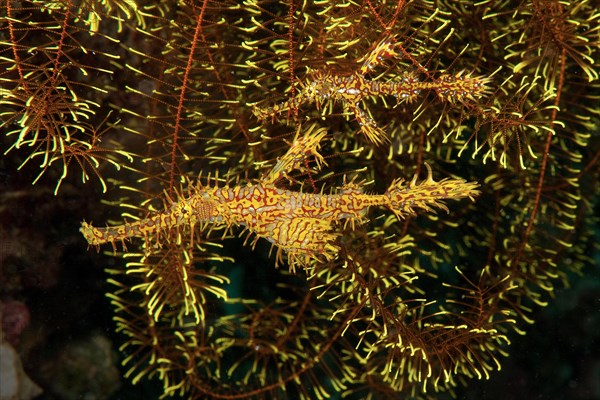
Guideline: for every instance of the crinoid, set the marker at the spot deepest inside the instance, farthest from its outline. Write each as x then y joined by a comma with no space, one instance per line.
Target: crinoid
262,133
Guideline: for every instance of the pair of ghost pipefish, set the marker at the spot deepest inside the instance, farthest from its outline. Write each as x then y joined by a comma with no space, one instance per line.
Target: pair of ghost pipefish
301,225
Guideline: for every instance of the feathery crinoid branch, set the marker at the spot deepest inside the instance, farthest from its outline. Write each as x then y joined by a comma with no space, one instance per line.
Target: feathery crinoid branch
298,127
55,77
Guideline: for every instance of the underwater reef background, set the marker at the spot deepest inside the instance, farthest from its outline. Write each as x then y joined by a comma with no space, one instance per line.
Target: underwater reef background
170,244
